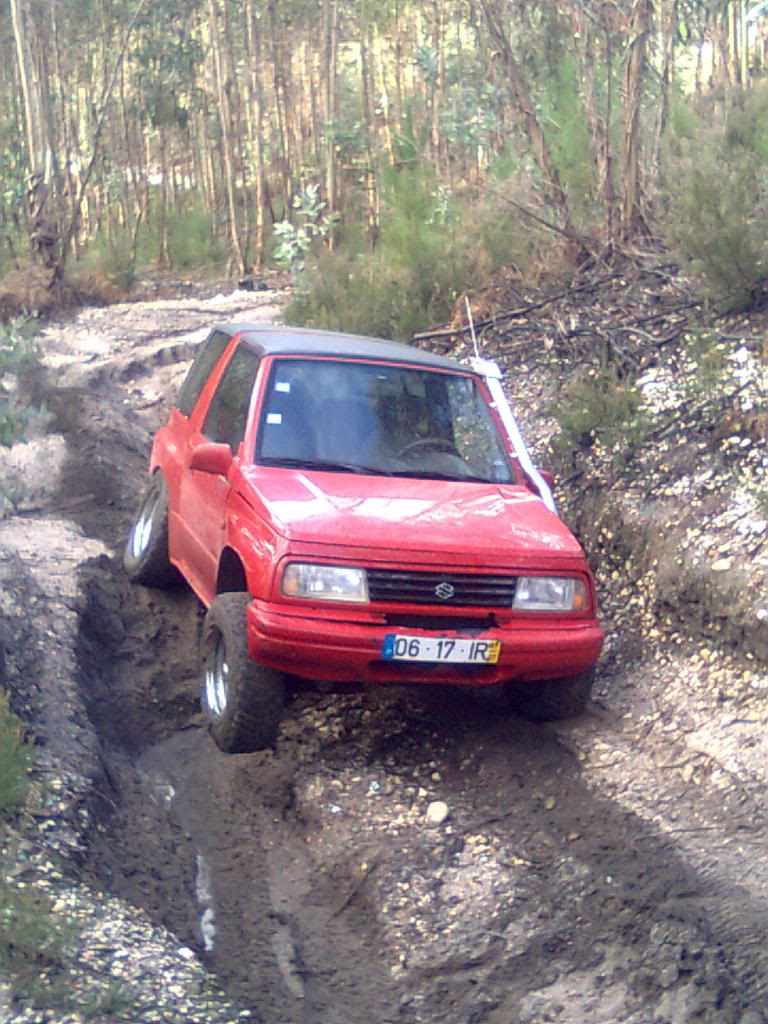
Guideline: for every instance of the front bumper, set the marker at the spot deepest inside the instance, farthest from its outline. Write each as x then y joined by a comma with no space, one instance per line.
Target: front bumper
350,652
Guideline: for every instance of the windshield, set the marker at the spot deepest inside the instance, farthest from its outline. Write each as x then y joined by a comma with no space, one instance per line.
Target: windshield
380,419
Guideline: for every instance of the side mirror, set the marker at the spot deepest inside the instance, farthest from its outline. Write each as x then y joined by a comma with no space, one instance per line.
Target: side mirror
211,457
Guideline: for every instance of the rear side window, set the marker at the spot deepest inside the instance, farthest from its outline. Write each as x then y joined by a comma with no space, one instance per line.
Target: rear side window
228,412
205,360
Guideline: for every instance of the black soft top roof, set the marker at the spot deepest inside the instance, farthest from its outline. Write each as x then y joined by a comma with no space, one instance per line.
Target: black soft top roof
299,341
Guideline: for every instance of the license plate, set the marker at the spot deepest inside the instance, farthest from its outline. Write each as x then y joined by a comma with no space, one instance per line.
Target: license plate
446,650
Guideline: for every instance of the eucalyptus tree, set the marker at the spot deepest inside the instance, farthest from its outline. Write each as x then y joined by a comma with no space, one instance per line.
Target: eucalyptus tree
13,148
61,165
31,30
139,112
638,28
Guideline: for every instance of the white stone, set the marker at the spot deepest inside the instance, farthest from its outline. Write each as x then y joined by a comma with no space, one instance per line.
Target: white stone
437,812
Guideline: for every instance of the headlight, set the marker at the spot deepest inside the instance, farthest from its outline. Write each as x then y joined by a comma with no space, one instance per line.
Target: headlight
325,582
550,594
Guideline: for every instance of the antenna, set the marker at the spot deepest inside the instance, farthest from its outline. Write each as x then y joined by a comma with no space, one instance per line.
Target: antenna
471,323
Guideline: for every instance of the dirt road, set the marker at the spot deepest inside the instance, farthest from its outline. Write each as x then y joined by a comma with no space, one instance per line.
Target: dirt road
610,870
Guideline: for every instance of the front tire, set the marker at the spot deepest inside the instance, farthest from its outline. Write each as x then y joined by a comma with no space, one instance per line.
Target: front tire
242,701
145,556
551,699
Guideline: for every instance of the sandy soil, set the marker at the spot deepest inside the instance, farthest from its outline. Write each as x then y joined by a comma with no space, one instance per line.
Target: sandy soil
608,870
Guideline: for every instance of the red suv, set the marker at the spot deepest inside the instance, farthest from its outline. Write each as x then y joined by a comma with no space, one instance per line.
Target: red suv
352,510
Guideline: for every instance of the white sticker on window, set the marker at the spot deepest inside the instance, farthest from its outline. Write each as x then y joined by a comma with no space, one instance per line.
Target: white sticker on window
274,417
283,385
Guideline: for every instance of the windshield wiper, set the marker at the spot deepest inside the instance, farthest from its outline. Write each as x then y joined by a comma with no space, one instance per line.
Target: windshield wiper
429,474
324,465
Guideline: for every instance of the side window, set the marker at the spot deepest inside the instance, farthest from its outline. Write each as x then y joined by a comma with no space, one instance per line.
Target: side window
228,412
199,371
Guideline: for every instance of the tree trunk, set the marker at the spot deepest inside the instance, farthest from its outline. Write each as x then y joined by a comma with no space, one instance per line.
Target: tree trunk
226,126
330,97
632,219
44,191
256,130
163,250
667,33
283,126
367,118
523,101
587,35
438,85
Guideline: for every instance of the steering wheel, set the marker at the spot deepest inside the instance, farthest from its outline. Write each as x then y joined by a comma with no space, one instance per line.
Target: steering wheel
439,444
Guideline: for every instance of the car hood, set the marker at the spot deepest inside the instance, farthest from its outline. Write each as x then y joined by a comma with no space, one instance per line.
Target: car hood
488,522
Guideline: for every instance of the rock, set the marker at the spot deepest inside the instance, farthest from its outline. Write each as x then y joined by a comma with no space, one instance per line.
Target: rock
751,1017
721,565
437,812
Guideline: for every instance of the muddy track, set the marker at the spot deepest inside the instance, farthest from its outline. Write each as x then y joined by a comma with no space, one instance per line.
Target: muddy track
596,872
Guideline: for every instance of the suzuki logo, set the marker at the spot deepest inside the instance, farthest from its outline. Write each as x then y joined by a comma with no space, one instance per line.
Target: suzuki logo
445,590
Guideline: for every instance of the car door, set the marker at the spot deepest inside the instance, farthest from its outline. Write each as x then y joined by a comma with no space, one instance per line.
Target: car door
171,444
203,495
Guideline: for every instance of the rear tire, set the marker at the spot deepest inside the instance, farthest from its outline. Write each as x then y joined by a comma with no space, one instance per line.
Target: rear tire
550,699
242,701
145,556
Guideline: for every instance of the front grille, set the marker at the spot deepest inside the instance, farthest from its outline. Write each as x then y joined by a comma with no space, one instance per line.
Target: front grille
441,588
464,622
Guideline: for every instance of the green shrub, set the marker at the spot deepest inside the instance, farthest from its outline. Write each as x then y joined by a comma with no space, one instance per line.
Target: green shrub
38,957
112,254
431,248
296,238
192,243
599,406
14,760
718,204
565,125
18,356
32,936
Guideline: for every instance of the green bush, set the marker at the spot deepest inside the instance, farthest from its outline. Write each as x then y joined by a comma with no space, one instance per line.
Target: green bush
112,254
192,243
431,248
565,123
717,203
599,407
38,957
14,760
32,937
18,356
120,250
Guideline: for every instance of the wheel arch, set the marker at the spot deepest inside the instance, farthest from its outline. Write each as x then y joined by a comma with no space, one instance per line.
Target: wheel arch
231,576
